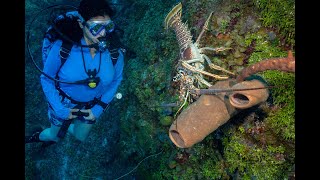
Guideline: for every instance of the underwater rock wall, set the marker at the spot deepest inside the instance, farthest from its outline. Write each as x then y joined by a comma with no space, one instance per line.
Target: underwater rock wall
257,143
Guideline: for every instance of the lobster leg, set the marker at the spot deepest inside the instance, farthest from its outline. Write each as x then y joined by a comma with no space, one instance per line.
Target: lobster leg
211,65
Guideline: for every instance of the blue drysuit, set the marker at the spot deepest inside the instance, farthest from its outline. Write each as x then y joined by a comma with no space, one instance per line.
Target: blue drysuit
74,69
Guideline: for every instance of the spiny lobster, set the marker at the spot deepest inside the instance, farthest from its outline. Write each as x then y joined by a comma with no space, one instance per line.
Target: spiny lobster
191,67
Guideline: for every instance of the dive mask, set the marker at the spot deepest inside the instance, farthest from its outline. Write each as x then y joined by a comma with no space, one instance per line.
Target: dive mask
95,27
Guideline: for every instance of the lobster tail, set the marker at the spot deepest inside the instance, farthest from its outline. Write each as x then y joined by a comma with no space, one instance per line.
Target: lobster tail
173,15
183,34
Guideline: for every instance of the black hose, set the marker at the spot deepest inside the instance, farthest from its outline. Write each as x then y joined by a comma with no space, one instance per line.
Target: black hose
28,47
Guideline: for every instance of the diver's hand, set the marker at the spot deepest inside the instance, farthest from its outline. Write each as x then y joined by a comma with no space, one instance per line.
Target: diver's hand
90,116
72,116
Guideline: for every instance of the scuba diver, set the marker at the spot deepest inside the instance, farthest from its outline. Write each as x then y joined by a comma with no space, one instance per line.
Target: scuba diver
95,70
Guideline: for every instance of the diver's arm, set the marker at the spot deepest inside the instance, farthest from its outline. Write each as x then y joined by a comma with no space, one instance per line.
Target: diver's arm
113,86
51,67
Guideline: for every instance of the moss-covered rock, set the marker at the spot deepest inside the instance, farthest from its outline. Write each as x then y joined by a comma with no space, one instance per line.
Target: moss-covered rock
166,120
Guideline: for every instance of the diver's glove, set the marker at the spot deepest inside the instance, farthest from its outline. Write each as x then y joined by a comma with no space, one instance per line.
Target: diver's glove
88,115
